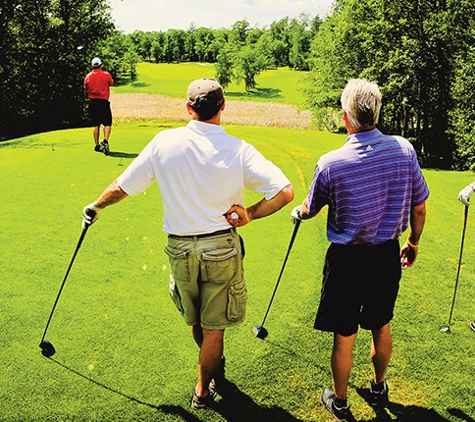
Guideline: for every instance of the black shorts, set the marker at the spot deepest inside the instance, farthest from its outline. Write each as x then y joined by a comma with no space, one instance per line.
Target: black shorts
100,112
360,286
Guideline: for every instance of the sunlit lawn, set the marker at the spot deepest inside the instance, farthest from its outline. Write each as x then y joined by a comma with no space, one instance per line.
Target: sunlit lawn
123,352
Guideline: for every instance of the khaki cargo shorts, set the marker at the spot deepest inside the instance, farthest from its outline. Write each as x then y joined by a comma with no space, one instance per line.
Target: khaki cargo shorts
207,281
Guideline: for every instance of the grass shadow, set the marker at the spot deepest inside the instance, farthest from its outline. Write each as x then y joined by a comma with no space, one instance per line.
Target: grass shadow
387,413
460,414
139,85
167,409
234,406
261,93
118,154
402,413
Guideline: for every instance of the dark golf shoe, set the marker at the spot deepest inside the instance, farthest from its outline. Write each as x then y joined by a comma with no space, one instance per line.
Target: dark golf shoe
340,413
378,394
105,147
98,148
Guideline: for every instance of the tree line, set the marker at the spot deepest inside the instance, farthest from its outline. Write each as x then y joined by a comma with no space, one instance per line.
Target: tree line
45,46
240,53
419,51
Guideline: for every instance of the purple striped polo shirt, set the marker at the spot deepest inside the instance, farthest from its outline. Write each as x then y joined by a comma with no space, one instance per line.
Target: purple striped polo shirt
370,185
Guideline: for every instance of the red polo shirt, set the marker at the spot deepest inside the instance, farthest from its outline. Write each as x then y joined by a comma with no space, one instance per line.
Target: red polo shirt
97,83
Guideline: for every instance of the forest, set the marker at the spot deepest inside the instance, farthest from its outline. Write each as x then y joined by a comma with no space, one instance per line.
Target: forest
421,53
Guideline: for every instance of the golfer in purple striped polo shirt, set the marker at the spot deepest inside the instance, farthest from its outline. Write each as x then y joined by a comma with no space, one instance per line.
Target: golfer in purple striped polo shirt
375,190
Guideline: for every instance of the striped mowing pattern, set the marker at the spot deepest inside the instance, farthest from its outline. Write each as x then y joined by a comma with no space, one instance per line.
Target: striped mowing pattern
369,184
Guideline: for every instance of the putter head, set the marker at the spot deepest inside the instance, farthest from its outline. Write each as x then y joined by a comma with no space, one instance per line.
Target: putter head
259,332
47,349
445,329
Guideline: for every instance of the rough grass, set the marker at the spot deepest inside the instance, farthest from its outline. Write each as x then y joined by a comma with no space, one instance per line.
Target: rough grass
153,107
159,94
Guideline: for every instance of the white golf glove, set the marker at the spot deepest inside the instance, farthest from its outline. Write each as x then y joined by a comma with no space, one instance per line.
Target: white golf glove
465,193
295,214
90,214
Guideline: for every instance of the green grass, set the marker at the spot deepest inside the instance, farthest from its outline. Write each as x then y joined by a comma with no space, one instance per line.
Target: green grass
123,351
173,79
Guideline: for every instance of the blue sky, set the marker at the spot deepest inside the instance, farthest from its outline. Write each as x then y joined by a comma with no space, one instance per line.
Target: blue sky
160,15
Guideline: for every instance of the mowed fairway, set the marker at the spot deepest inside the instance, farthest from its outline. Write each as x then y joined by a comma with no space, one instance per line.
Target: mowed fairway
123,351
278,86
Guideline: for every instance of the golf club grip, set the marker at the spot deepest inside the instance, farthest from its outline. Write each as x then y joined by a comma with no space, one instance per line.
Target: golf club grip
294,234
81,238
465,217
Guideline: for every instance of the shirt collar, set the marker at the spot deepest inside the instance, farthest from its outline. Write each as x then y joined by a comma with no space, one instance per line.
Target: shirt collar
363,137
209,128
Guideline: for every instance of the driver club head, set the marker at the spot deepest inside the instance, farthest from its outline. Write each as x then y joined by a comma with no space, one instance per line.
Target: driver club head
259,332
445,329
47,349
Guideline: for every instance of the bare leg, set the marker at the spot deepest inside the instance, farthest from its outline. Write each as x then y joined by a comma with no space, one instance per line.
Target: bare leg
341,363
107,132
197,334
211,352
381,350
95,134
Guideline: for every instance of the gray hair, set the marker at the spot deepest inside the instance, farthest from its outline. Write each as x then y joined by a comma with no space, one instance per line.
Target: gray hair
361,100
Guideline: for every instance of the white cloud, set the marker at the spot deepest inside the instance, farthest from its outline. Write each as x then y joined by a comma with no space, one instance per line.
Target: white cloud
147,15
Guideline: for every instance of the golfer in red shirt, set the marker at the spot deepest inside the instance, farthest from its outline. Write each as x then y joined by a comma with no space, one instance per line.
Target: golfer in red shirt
97,83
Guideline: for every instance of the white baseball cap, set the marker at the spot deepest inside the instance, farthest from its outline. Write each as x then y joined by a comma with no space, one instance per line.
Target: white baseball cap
96,62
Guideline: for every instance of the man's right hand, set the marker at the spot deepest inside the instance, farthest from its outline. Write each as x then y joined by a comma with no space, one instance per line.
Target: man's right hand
90,214
465,193
295,214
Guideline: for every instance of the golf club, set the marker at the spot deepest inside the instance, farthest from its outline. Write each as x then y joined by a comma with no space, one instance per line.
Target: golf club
258,330
47,349
446,328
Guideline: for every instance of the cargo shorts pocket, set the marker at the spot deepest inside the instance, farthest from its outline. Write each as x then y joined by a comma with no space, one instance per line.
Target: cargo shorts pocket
237,298
220,265
178,271
178,263
175,295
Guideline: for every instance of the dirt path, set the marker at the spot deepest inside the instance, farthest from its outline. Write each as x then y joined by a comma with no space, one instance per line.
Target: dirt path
151,107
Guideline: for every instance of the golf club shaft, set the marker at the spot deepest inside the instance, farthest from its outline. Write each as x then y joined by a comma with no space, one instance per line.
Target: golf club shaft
84,230
459,264
297,224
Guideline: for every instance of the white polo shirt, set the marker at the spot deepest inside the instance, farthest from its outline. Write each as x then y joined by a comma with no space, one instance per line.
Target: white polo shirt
201,172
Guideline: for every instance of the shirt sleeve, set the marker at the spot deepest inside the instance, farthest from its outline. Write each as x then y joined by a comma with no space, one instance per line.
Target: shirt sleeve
261,175
139,175
420,190
319,191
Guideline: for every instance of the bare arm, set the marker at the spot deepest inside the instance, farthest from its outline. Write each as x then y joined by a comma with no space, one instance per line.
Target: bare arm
111,195
304,213
261,209
416,225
